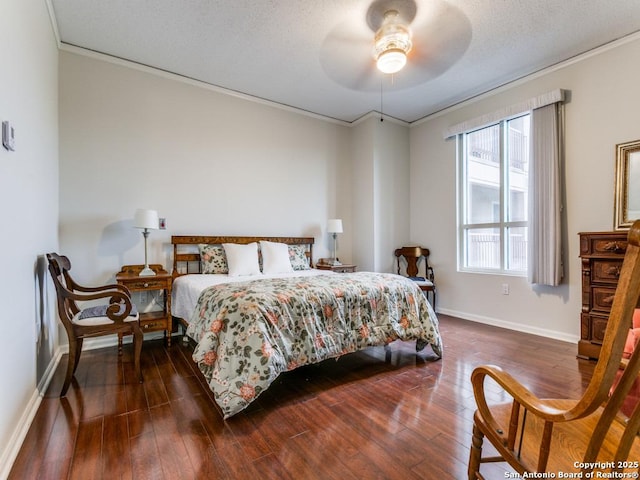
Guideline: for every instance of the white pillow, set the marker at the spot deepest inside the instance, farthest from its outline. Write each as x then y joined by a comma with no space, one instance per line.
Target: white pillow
275,257
242,259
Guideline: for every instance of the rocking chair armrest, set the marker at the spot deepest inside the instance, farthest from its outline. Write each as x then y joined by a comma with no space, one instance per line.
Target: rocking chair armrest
543,409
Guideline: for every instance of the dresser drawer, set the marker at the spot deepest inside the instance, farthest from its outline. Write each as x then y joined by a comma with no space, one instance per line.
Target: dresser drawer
608,247
606,271
153,325
150,321
602,298
147,284
593,327
344,269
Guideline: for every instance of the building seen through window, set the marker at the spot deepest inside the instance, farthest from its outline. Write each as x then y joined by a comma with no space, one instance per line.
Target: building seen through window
494,165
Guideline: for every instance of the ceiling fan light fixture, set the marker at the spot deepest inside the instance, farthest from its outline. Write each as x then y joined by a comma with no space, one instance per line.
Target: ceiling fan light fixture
392,44
391,61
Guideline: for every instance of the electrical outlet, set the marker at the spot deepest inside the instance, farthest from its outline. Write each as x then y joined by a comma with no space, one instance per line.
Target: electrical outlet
505,289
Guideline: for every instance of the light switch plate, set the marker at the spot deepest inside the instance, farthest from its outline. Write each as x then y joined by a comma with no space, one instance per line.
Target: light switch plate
8,136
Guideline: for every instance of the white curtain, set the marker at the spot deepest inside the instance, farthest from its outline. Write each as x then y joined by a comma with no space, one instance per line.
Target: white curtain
545,196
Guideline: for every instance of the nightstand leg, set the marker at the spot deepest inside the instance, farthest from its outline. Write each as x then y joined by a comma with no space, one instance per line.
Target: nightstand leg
167,312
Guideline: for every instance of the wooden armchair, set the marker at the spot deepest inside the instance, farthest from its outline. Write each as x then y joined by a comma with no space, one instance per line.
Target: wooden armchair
412,256
117,316
579,436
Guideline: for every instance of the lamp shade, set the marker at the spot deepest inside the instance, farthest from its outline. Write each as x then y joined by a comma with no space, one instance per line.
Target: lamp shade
334,225
146,219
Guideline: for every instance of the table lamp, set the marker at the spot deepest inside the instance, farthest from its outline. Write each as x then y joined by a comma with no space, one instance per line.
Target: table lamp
334,226
146,220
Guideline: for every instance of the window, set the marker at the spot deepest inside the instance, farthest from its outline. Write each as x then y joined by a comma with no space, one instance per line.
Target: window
493,199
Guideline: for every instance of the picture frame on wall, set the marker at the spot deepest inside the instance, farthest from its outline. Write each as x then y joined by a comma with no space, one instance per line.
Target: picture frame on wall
627,185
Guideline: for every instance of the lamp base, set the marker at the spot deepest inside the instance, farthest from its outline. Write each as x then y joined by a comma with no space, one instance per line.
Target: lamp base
146,272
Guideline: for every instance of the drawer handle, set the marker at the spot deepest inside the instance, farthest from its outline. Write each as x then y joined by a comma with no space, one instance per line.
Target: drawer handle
145,285
613,247
146,326
613,271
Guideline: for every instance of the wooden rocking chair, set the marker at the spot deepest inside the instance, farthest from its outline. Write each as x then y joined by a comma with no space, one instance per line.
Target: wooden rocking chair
580,436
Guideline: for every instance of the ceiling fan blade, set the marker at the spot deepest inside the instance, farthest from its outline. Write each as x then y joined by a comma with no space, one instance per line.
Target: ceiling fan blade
346,56
439,41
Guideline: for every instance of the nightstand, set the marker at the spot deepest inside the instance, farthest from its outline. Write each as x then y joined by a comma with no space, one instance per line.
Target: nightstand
150,321
337,268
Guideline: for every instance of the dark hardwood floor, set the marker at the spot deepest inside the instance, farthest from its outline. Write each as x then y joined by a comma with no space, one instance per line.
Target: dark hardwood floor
377,414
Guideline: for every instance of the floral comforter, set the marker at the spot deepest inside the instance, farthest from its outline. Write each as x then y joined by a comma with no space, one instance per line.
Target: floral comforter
248,333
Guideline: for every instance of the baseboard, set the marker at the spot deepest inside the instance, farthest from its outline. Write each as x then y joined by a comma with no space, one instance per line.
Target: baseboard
15,443
17,439
518,327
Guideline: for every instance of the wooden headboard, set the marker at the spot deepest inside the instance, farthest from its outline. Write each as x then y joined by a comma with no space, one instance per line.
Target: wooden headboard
190,261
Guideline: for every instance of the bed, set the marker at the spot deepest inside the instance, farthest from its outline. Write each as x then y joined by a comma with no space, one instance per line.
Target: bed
255,314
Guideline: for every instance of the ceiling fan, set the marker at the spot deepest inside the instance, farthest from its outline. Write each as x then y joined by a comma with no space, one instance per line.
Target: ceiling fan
414,40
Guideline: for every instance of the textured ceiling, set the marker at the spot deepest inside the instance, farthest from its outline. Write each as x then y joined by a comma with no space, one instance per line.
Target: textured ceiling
315,55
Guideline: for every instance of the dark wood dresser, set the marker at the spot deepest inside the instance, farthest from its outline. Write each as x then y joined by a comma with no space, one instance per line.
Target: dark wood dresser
602,254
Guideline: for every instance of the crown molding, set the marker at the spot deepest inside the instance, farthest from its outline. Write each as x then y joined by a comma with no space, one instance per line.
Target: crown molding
532,76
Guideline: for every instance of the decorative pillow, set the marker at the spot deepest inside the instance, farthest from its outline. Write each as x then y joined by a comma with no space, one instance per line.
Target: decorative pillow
212,259
275,257
633,339
242,259
298,257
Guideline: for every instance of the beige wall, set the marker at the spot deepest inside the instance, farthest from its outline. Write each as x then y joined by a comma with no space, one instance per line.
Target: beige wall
379,191
602,111
391,199
208,162
29,211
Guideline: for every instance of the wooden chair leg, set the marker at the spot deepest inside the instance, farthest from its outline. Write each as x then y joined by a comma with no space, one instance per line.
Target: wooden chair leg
72,363
430,294
138,337
76,361
475,454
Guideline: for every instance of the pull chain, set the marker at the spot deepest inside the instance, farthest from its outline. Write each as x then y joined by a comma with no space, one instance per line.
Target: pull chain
381,112
381,96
